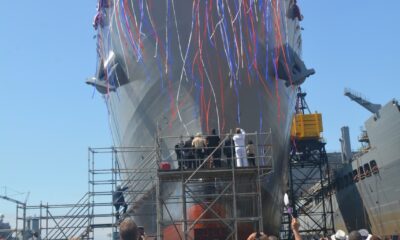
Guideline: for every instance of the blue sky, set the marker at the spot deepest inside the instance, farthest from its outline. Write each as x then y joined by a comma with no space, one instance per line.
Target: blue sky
49,117
350,44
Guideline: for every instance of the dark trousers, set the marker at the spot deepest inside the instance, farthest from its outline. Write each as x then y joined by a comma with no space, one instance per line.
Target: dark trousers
217,158
189,162
252,159
199,157
117,206
186,163
180,165
229,160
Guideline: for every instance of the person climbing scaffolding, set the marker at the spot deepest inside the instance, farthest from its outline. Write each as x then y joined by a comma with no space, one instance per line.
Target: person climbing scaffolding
119,200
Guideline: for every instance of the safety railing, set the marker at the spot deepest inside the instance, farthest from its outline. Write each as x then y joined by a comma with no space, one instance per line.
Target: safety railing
216,152
61,221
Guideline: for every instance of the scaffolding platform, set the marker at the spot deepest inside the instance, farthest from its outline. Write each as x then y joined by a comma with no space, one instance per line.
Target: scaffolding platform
213,202
206,201
210,202
103,225
221,173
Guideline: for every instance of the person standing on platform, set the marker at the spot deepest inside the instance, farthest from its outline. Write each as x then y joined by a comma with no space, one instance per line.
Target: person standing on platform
229,150
188,153
199,144
251,153
240,148
179,154
212,143
119,200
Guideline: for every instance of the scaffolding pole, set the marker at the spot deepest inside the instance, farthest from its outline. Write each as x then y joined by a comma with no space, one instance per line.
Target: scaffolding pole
208,197
189,202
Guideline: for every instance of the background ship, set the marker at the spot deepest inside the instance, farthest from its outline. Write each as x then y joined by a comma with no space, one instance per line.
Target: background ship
367,193
5,228
180,67
365,187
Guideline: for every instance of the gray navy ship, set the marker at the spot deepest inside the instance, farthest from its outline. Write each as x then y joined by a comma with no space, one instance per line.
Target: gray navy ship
367,192
5,229
179,67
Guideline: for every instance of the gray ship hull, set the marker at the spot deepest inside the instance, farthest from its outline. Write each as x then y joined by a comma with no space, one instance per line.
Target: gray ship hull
373,201
182,67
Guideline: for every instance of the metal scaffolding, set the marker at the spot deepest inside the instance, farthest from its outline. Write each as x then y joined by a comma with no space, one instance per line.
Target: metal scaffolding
217,195
309,178
310,191
94,210
45,221
187,202
196,202
105,175
310,188
20,209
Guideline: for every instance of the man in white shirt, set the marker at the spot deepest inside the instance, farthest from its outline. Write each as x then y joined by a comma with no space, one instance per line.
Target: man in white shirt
240,148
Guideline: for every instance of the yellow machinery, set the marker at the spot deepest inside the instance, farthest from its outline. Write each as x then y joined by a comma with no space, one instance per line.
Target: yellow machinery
306,126
309,173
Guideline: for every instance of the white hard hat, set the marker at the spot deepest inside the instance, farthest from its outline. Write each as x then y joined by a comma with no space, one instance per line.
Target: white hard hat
339,235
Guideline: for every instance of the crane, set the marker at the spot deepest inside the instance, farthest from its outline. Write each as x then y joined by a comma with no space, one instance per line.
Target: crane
372,107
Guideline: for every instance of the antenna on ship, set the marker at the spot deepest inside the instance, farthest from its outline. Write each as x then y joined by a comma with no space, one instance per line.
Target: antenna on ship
358,98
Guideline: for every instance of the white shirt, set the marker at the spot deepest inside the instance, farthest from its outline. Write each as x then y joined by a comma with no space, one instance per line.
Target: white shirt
239,138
